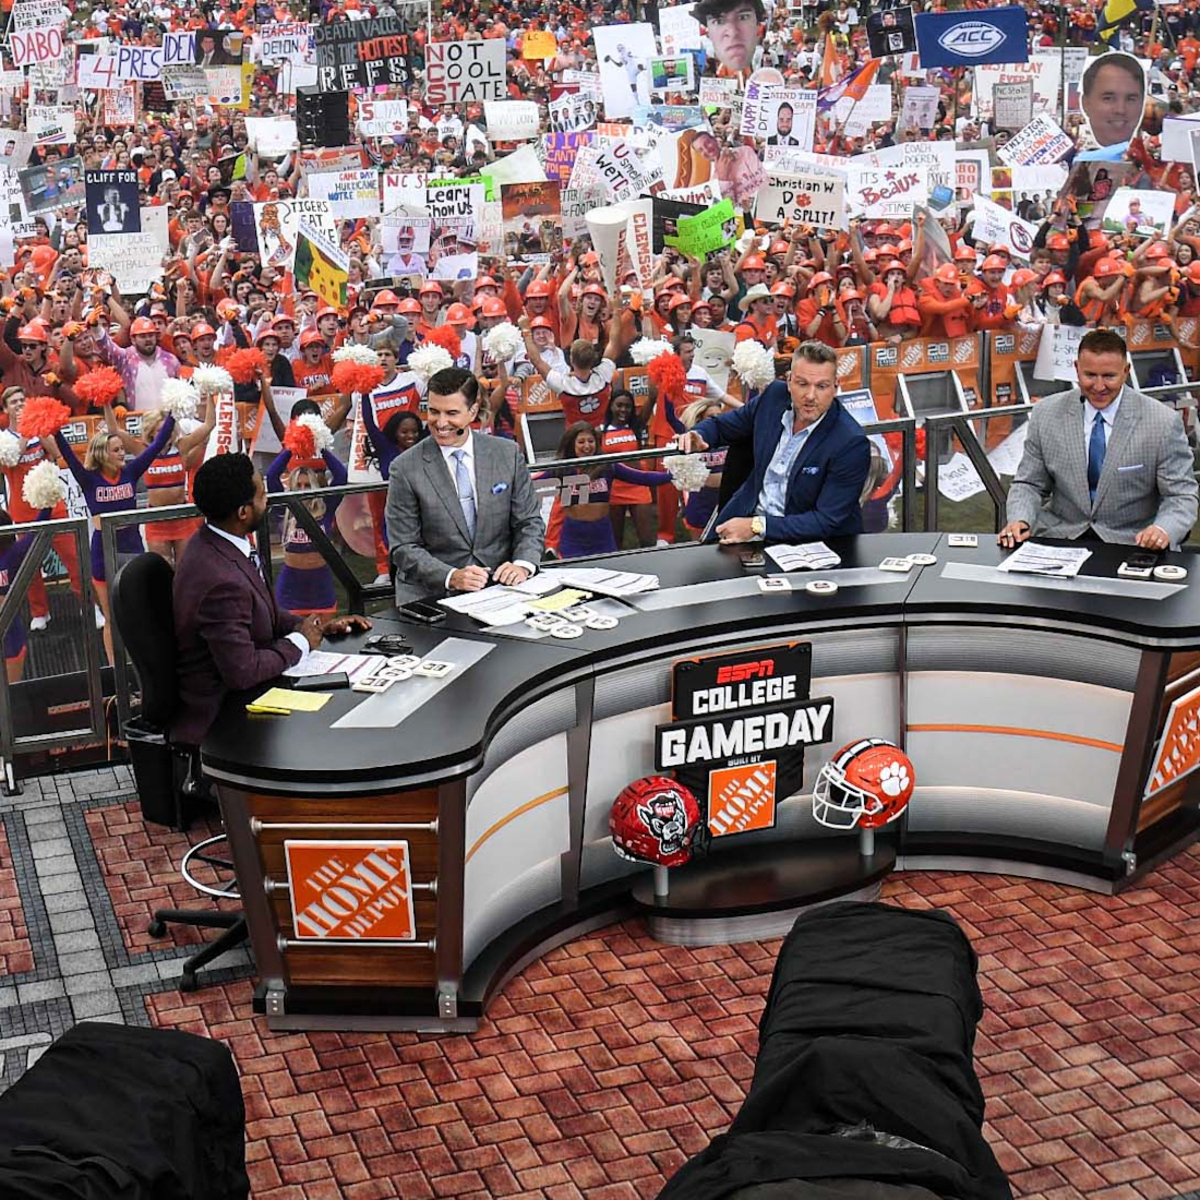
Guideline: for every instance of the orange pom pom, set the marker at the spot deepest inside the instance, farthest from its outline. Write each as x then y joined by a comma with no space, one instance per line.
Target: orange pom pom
42,416
299,440
349,376
242,365
445,337
99,387
668,374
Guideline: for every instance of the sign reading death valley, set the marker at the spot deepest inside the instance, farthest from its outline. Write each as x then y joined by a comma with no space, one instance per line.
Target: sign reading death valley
362,54
351,890
741,723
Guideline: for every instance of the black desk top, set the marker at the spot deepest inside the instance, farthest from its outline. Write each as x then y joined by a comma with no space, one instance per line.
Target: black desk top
447,737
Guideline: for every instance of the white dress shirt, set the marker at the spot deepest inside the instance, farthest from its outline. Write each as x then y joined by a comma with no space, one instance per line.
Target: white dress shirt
244,547
448,453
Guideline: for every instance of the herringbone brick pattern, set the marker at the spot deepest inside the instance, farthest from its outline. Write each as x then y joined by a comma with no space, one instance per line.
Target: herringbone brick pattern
607,1063
16,953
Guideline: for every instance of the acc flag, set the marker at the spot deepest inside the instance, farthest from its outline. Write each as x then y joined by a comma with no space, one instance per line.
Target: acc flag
972,37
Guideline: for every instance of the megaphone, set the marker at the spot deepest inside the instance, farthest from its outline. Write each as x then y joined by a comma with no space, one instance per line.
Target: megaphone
607,227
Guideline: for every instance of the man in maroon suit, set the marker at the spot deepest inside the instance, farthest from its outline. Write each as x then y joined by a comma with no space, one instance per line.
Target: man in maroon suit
230,633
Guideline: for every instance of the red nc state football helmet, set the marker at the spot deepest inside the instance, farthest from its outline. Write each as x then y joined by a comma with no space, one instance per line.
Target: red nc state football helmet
867,783
655,820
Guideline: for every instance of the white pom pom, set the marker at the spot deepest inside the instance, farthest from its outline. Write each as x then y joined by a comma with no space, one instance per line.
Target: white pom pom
322,434
689,472
208,380
427,360
754,364
353,352
43,486
10,449
179,398
503,341
645,349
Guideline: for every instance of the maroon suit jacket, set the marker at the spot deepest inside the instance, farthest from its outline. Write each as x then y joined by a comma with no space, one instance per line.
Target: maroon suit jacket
229,632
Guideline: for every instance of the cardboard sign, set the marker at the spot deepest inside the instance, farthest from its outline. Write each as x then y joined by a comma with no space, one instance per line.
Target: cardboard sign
133,259
1012,104
465,72
37,14
1041,142
539,44
807,199
352,193
560,150
713,229
920,108
678,30
343,889
995,223
454,203
1044,70
382,118
185,82
320,264
282,41
620,170
35,45
511,120
362,54
277,222
884,192
112,202
1057,352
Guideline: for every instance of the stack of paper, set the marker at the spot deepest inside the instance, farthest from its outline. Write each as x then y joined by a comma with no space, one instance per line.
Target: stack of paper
812,556
323,662
604,582
1061,561
492,606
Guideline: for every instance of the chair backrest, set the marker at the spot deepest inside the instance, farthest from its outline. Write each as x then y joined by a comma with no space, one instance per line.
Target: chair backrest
144,610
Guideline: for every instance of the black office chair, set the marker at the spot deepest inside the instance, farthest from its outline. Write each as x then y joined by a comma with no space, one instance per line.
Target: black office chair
143,608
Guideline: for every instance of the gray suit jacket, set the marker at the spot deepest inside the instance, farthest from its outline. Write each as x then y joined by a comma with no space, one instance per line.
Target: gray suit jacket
1147,477
427,531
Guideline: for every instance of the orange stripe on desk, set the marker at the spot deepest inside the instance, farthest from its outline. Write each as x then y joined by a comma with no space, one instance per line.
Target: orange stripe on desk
1016,731
528,806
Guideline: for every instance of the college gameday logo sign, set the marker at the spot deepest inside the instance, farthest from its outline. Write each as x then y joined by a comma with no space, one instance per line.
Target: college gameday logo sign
741,722
345,889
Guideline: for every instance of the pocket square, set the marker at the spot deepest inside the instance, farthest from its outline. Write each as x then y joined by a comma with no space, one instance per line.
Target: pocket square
1135,467
810,470
498,488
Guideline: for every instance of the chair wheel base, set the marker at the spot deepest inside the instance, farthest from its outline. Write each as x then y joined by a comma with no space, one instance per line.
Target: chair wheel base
156,929
187,982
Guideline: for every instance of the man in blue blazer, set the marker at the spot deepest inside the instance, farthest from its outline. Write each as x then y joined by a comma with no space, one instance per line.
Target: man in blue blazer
811,457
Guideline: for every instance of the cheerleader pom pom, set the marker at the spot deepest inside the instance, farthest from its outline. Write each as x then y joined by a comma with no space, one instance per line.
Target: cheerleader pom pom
10,449
210,380
298,438
503,341
352,376
242,365
449,341
644,350
356,353
668,375
689,472
179,398
426,361
318,431
43,487
42,417
754,364
99,387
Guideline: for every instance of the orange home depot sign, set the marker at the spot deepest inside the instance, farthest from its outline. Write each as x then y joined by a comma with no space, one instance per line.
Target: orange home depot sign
1183,332
351,890
923,356
850,360
741,798
1179,751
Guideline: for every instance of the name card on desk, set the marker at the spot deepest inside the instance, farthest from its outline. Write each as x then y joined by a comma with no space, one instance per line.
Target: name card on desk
343,889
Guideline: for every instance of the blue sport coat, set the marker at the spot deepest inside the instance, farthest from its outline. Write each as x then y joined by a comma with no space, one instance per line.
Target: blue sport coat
826,479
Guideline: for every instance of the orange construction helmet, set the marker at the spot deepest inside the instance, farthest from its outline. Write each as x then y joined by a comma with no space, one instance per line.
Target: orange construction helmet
1192,270
203,329
493,306
824,277
993,262
1106,267
678,300
408,305
946,273
546,323
965,254
782,288
34,332
1158,251
310,337
1022,277
539,287
386,298
459,314
143,325
1058,241
1057,277
755,262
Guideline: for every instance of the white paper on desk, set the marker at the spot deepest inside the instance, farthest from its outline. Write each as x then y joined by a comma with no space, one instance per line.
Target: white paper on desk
1062,562
811,556
604,582
541,584
491,606
325,662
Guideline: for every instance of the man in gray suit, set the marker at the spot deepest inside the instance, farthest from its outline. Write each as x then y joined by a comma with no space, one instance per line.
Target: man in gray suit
461,510
1103,461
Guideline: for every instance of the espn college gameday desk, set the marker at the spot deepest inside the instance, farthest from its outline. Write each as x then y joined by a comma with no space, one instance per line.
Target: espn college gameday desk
1033,710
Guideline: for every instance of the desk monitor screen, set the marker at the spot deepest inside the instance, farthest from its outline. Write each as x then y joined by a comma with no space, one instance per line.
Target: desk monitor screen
928,395
543,432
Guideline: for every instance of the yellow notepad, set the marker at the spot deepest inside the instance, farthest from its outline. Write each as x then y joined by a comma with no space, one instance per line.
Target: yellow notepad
277,697
560,600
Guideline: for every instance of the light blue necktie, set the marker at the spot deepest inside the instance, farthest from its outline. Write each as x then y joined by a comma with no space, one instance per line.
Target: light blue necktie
466,488
1096,451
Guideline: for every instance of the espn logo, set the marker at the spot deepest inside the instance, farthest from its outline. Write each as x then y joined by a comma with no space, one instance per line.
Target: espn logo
763,669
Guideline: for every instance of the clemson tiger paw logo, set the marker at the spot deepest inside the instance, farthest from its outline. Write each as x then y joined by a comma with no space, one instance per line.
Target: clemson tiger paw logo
893,779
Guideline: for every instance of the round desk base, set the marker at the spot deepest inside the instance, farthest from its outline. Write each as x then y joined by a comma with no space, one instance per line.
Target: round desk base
758,892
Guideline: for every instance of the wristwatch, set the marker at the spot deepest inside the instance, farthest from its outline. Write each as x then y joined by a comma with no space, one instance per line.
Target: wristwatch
758,526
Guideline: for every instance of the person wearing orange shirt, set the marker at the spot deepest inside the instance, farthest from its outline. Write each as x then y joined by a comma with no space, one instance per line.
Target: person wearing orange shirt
1099,296
314,368
817,312
758,322
892,304
989,296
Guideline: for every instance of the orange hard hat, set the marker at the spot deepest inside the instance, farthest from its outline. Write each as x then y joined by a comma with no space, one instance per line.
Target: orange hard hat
539,287
310,337
782,288
493,306
824,277
889,267
999,248
594,289
1193,271
267,331
1058,241
386,297
203,329
779,247
143,325
946,273
1106,267
1053,278
430,287
993,262
409,305
546,323
1158,250
678,300
755,262
965,254
459,314
486,281
34,332
1022,277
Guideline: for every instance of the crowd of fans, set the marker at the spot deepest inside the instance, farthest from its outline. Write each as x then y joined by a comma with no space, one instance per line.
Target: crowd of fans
921,274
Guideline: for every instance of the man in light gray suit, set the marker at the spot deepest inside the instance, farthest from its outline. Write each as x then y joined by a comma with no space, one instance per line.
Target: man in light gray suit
461,510
1103,461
